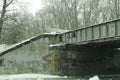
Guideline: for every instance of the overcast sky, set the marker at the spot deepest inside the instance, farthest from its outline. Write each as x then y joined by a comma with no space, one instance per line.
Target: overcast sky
34,5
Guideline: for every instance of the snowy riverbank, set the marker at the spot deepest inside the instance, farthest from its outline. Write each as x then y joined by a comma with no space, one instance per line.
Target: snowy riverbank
30,77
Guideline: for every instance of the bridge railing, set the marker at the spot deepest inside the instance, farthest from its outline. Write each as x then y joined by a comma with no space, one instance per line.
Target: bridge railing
95,32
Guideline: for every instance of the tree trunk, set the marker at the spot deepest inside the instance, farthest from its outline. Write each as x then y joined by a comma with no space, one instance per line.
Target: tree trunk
76,15
2,16
5,5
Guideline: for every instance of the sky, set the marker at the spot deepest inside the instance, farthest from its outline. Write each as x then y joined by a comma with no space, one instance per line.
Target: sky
34,5
31,5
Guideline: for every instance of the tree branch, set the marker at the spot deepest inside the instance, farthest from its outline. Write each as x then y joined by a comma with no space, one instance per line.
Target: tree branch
9,3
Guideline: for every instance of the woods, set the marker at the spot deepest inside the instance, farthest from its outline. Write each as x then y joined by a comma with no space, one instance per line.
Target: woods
5,4
56,14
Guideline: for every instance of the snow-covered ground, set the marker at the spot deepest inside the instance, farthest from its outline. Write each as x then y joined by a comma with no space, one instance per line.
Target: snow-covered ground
94,78
41,77
30,77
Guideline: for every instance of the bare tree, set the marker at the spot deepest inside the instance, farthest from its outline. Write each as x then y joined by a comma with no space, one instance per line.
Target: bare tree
5,4
64,13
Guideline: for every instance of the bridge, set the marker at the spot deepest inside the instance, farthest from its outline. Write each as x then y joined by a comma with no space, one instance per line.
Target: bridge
91,45
88,46
107,32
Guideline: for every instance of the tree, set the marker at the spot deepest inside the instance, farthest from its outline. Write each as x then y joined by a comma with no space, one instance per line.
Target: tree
5,5
61,14
15,36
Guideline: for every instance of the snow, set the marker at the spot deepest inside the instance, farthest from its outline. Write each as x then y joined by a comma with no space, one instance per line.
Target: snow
56,30
94,78
3,47
51,33
20,43
29,76
38,77
53,45
56,45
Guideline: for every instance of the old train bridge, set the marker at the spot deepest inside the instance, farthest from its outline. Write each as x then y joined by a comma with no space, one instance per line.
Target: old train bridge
89,50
